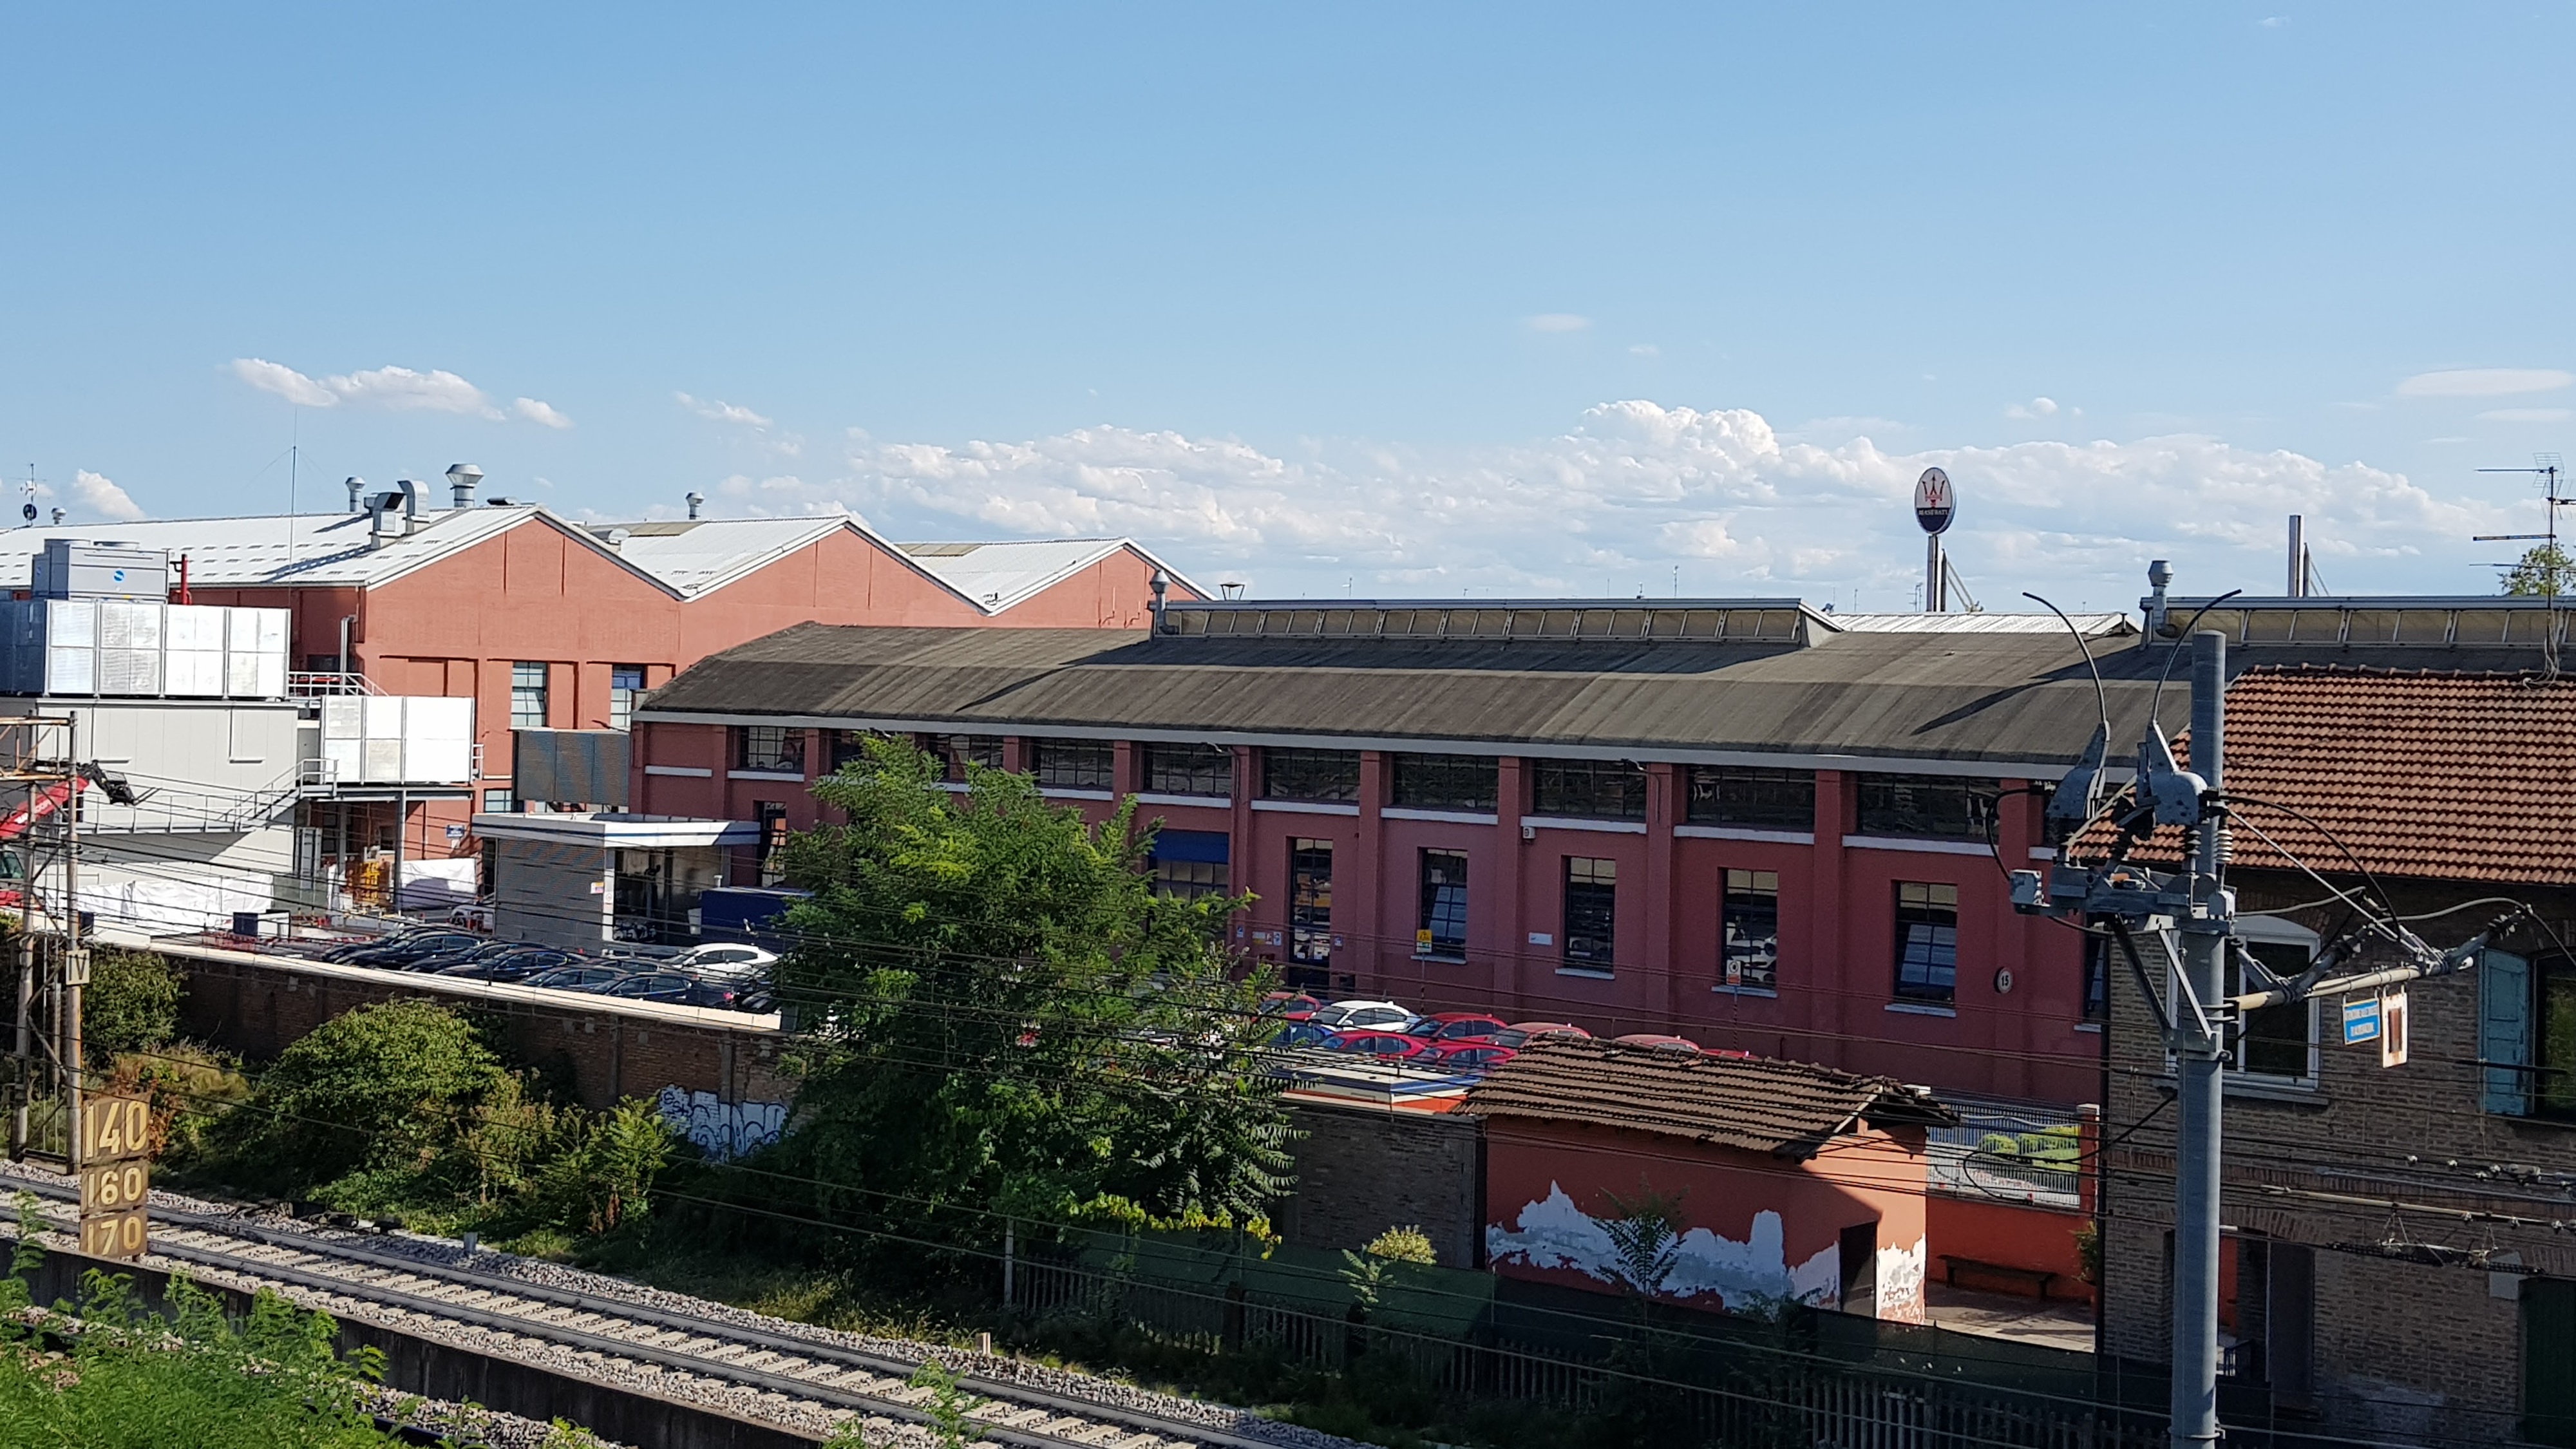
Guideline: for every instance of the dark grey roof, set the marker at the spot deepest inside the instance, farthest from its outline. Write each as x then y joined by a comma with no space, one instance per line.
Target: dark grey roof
1967,698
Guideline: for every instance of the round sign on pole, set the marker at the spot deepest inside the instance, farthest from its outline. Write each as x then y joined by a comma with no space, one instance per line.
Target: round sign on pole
1933,501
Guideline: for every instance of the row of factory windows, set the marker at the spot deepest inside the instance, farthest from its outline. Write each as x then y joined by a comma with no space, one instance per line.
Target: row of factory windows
1936,807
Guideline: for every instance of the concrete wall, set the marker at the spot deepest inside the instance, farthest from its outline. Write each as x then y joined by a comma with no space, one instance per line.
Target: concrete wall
1361,1170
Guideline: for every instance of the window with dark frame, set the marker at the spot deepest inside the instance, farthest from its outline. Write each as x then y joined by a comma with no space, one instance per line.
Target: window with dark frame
1445,782
1588,789
772,815
1442,932
1591,912
1310,901
1749,930
1765,798
2097,976
625,682
1926,807
527,695
1189,879
1927,942
956,752
2273,1041
1332,775
771,749
1074,764
1188,769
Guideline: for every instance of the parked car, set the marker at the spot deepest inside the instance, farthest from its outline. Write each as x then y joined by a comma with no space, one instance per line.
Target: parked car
516,964
1475,1056
1459,1026
727,993
401,955
1290,1005
580,976
724,958
346,949
1531,1031
476,917
1655,1042
1302,1033
481,951
674,987
1376,1043
1352,1015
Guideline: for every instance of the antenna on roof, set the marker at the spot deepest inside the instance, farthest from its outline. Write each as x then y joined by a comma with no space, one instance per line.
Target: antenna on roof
2549,467
27,510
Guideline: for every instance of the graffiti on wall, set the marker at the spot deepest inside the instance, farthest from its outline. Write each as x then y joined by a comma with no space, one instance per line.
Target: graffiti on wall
1743,1276
722,1130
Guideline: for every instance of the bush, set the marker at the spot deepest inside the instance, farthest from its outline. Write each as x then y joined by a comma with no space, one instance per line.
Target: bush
131,1003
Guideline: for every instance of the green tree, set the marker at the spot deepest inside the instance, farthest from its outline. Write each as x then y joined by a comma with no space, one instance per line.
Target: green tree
2545,569
131,1003
1006,1015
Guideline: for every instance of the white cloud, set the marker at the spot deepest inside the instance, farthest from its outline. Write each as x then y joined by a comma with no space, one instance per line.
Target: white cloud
2526,415
721,411
542,414
2038,407
284,381
1558,322
2485,382
1645,349
96,493
1638,488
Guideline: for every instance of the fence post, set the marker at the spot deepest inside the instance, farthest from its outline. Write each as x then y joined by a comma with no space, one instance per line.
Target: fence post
1010,1254
1234,1304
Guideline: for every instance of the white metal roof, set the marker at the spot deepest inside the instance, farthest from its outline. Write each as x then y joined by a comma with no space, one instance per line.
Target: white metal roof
998,575
307,548
696,556
2094,626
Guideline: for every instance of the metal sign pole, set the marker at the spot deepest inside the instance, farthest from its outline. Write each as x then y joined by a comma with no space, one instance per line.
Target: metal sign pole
75,960
2200,1056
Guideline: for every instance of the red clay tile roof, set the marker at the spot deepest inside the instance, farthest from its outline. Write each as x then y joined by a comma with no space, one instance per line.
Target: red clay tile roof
1756,1104
2430,775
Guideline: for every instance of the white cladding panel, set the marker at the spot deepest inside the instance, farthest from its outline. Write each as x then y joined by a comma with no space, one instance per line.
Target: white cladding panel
142,648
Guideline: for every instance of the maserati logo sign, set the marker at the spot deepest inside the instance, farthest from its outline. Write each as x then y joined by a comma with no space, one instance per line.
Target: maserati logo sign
1933,501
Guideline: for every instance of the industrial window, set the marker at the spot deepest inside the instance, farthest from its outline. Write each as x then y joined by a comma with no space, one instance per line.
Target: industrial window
1927,942
1189,879
1591,912
2097,977
498,802
1589,789
527,696
1445,782
1442,932
1933,807
625,682
1774,799
1189,769
772,748
956,752
1075,764
2275,1041
772,815
1310,774
842,746
2527,1033
1310,901
1750,929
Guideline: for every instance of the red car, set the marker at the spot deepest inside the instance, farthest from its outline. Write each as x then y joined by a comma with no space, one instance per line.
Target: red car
1376,1043
1472,1056
1661,1043
1533,1030
1290,1005
1457,1026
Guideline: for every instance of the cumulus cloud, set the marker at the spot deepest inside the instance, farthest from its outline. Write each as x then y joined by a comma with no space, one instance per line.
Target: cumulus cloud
100,495
1558,322
2038,407
399,389
721,411
1639,488
2485,382
542,414
1645,349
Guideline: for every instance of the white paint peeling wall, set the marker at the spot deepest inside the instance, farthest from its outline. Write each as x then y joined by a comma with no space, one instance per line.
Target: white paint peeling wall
1745,1276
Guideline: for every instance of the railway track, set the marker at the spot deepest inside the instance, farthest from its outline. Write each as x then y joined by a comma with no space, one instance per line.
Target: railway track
792,1375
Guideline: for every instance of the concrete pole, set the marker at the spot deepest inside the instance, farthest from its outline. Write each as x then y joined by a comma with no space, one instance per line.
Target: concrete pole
22,1082
1936,594
2199,1077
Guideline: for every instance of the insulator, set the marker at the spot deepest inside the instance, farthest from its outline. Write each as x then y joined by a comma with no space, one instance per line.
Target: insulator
2224,840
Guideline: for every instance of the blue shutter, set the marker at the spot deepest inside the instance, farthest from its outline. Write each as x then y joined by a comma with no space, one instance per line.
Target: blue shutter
2504,1030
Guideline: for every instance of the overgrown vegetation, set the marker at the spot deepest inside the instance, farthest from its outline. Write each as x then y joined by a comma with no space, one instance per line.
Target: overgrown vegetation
1006,1018
131,1003
406,1110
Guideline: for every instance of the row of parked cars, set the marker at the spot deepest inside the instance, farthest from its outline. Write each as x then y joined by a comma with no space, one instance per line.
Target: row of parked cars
724,975
1458,1041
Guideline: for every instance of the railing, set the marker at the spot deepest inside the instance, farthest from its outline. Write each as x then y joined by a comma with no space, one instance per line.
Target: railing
316,683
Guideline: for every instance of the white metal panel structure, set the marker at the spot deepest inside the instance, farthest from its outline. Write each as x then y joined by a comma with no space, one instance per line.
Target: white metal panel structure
391,739
131,648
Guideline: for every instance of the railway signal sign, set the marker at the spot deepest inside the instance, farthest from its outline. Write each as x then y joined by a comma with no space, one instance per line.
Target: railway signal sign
115,1176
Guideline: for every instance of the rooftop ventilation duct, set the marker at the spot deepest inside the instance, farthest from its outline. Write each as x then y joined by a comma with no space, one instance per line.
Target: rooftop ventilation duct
410,501
356,486
695,501
461,481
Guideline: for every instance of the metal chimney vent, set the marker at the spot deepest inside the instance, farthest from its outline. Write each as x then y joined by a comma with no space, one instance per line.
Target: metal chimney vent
461,481
357,486
694,500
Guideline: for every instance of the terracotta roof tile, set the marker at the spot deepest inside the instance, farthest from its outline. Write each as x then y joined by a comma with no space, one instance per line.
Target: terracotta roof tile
2425,774
1756,1104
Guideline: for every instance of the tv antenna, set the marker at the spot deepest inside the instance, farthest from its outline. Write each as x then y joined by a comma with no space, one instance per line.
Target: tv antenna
2550,469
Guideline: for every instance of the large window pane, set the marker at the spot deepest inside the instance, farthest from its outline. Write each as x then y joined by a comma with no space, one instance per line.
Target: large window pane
527,696
1310,902
956,752
1074,764
1591,912
1926,806
1443,929
1188,769
770,748
1589,789
2553,1087
1773,799
625,682
1310,774
1927,942
1750,927
1189,879
2274,1041
1444,782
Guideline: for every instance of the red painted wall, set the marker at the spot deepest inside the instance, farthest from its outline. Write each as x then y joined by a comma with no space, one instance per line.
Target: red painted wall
2016,1235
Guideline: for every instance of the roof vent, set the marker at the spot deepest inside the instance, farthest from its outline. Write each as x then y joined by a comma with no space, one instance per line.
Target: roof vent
695,501
461,480
356,486
617,539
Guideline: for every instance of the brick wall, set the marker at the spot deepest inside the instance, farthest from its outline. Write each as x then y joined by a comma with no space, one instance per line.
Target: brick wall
1362,1170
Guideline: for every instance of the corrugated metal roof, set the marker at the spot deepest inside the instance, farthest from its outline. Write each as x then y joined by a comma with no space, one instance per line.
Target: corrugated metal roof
2007,699
310,548
1752,1104
998,575
697,556
2093,626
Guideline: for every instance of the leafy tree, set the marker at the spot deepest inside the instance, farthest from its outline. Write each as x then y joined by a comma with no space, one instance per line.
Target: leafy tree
131,1003
2545,569
1383,1259
1006,1015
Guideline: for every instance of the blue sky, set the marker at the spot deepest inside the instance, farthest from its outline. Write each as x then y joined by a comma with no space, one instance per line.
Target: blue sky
1416,299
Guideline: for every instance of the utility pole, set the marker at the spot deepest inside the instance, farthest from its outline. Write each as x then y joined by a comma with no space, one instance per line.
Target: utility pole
2200,1059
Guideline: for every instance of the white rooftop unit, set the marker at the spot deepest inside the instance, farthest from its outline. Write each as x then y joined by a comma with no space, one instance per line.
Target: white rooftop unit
130,648
382,739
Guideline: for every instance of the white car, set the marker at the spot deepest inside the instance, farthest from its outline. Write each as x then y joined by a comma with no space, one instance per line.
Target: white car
725,959
1360,1015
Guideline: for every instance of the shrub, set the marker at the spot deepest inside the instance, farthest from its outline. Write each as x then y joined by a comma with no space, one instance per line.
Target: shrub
131,1003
